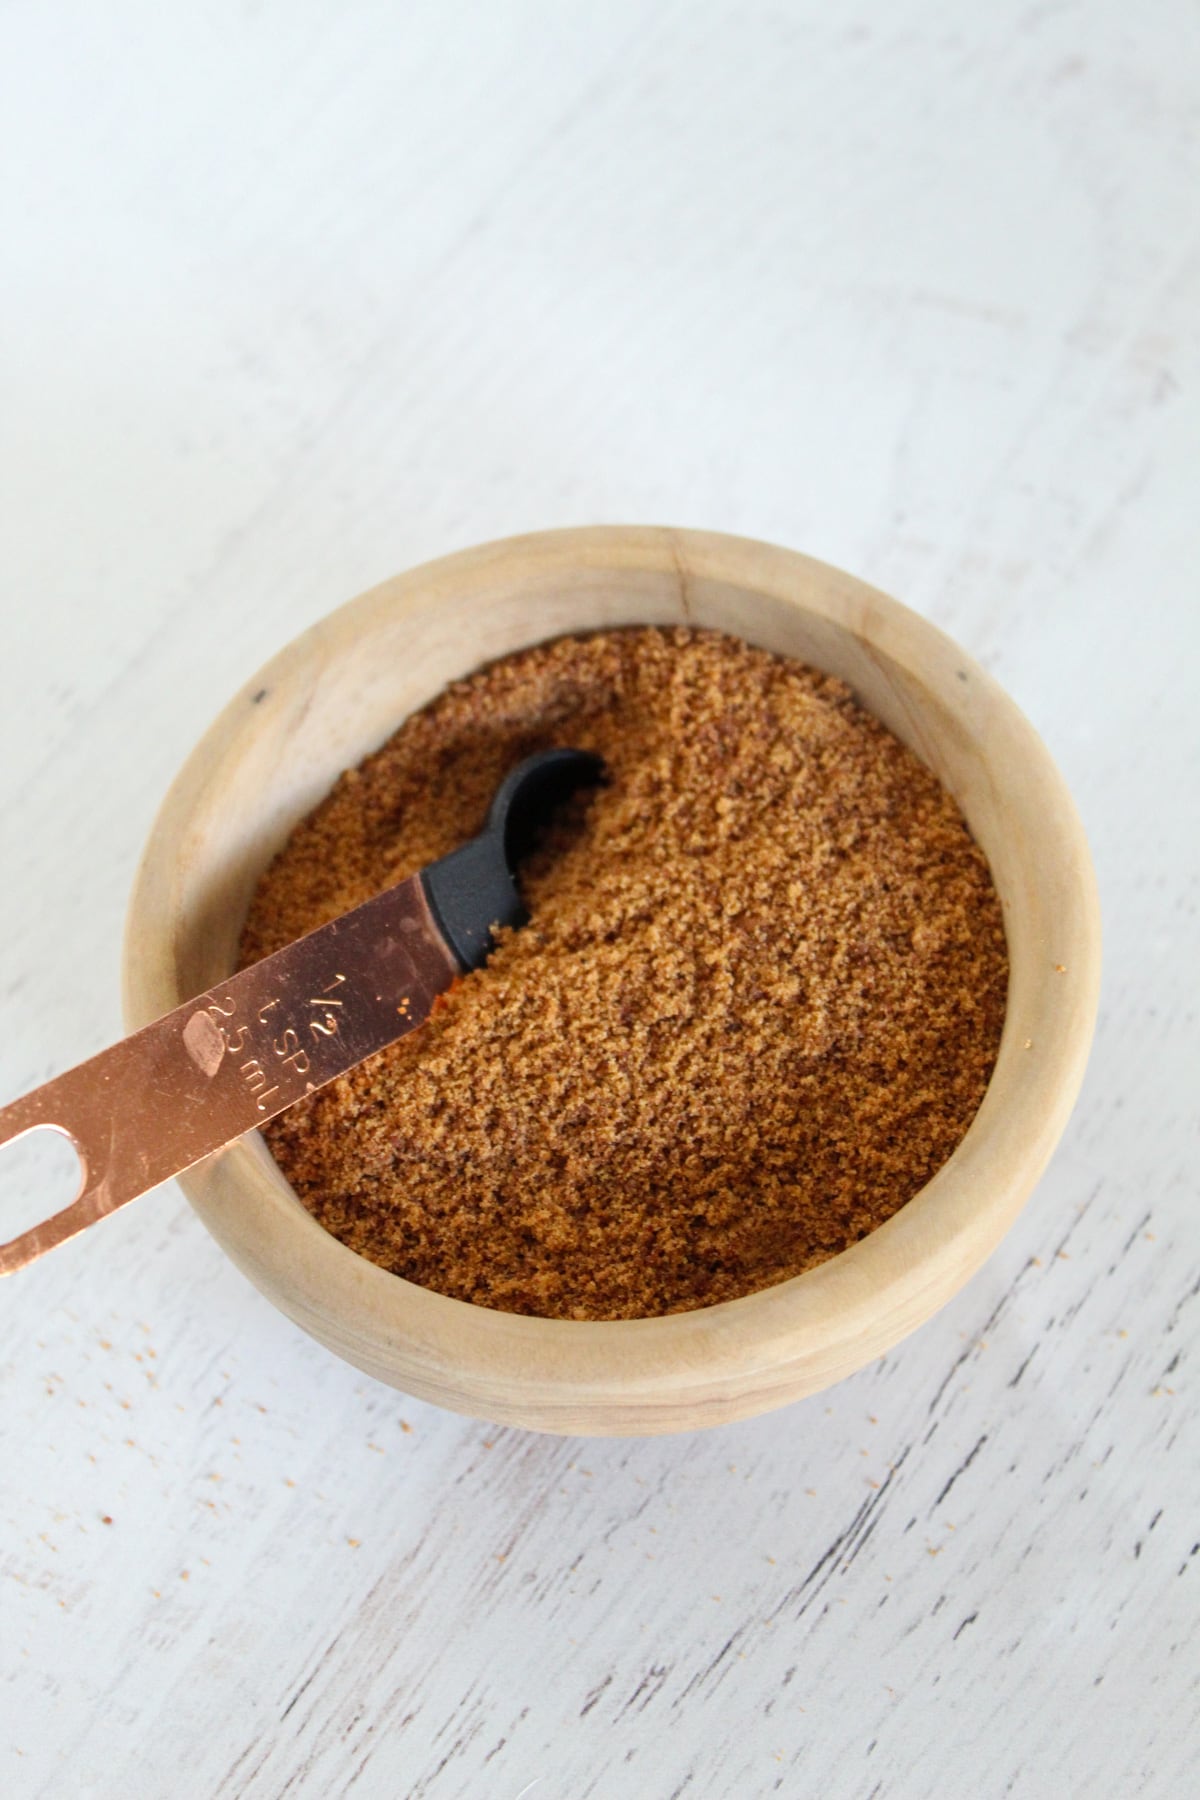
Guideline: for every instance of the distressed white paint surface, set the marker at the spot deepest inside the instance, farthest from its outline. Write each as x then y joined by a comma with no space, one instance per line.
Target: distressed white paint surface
296,296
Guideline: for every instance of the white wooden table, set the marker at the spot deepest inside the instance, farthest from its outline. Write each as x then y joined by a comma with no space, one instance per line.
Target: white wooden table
295,296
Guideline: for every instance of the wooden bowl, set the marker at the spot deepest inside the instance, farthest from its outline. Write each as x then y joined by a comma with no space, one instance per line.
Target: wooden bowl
342,688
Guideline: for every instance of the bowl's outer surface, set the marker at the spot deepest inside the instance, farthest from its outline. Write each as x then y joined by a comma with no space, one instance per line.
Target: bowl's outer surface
338,691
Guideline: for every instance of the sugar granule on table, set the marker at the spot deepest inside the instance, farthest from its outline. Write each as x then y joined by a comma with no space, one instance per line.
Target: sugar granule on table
755,1009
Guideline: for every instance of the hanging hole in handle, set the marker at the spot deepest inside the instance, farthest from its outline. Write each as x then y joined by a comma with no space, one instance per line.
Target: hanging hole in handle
41,1172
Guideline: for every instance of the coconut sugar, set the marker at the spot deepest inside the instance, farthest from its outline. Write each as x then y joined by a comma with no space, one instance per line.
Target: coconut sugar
755,1009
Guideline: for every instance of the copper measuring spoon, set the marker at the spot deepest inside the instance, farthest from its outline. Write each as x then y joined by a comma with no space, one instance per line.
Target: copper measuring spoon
195,1080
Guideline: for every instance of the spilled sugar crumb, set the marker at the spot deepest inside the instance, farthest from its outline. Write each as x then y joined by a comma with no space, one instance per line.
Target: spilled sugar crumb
755,1010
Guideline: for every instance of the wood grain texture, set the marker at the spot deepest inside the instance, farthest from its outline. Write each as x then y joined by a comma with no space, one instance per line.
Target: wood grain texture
294,301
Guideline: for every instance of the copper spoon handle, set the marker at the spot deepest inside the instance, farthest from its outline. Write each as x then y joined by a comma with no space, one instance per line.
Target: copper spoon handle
188,1085
205,1074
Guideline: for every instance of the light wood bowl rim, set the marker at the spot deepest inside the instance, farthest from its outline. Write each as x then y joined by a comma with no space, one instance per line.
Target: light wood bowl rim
744,1356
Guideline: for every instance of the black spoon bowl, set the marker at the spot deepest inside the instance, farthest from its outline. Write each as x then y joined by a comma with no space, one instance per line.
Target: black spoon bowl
474,890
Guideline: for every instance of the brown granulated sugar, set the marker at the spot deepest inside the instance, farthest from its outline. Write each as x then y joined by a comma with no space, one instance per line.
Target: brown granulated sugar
755,1009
